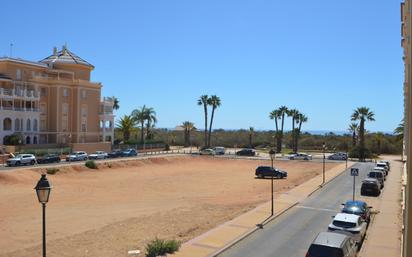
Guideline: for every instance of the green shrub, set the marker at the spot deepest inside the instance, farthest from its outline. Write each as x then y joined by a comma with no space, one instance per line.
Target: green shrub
361,153
167,147
161,247
52,171
91,164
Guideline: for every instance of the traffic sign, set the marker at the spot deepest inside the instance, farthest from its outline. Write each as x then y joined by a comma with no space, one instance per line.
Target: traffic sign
354,172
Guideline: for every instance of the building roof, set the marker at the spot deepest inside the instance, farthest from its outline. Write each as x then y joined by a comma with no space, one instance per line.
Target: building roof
65,57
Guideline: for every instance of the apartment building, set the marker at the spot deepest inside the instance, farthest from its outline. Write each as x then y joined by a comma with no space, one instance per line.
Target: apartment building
53,101
406,30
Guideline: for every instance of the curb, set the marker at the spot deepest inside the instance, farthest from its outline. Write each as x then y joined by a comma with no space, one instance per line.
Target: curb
237,240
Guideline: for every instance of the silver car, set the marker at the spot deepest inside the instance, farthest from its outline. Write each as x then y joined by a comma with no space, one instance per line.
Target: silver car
300,156
22,159
77,156
350,223
98,155
328,244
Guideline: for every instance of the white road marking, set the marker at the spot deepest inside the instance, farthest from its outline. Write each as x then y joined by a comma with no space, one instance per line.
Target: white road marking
316,209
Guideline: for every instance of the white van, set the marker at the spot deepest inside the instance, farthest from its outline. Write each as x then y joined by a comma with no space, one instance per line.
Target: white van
219,150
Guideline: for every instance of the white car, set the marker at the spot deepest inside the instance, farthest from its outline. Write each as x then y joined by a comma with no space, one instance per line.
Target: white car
76,156
350,223
300,156
381,169
98,155
207,152
22,159
219,150
383,165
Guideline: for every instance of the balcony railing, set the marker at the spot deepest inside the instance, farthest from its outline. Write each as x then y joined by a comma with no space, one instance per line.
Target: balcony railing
9,92
19,109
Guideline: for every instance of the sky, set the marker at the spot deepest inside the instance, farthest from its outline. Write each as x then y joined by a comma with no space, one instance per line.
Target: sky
324,58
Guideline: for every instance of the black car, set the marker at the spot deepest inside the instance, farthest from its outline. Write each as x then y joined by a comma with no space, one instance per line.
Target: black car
267,171
371,186
129,153
359,208
48,158
115,154
246,152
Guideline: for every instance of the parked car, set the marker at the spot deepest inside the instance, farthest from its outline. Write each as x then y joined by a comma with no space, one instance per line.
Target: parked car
76,156
371,186
300,156
22,159
267,171
383,165
359,208
48,158
115,154
387,164
379,175
381,169
338,156
350,223
246,152
219,150
207,151
129,152
98,155
329,244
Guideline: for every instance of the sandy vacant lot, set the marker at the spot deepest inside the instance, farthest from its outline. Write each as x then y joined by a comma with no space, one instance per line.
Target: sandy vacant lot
109,211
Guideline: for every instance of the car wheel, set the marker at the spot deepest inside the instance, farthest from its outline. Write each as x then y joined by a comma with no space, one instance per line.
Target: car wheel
18,163
306,159
32,162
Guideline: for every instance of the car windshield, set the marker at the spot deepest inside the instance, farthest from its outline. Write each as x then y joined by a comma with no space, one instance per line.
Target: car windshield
19,156
344,224
324,251
375,174
353,210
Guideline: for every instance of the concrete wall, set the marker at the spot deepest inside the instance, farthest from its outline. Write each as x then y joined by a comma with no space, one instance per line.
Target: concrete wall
92,147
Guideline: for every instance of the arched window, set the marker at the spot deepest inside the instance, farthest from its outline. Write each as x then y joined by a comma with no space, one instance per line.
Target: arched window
28,125
16,125
7,124
35,125
34,140
27,140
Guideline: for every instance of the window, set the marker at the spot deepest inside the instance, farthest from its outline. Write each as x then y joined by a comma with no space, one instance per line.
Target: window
84,127
65,92
42,125
16,125
7,124
84,94
35,125
28,125
84,111
65,124
18,74
43,91
65,109
43,108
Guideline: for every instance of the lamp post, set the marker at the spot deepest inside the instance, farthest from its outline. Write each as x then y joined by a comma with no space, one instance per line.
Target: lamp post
324,148
272,154
43,189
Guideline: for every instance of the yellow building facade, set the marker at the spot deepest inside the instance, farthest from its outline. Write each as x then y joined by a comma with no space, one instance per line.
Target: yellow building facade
53,101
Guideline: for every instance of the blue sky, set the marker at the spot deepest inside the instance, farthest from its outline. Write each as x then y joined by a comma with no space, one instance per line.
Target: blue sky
322,57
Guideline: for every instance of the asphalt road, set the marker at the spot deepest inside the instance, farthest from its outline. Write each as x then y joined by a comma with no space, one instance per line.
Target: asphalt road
290,234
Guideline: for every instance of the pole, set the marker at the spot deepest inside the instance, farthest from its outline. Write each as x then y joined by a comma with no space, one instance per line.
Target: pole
272,212
323,181
346,159
353,196
44,229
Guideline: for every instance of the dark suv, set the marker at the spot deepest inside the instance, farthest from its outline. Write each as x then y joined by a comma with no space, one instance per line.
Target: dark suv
332,244
246,152
267,171
371,186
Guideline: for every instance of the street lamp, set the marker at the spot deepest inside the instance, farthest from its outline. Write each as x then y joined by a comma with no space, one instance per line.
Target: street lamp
43,189
272,154
324,148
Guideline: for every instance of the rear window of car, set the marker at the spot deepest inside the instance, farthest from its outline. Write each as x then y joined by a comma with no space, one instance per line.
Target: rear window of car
369,185
375,174
324,251
344,224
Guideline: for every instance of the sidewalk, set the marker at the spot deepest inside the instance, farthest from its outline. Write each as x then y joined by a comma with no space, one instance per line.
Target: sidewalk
384,234
225,235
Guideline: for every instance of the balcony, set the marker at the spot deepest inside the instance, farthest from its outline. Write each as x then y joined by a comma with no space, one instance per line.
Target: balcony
19,93
19,109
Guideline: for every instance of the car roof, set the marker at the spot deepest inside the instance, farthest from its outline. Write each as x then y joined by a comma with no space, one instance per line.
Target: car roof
346,217
378,168
370,180
357,203
330,239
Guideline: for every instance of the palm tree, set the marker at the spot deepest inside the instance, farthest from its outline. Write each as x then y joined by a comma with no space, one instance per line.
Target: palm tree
362,114
203,100
379,137
126,125
294,113
150,117
188,127
399,130
275,115
302,118
251,131
283,110
353,128
215,102
116,103
140,116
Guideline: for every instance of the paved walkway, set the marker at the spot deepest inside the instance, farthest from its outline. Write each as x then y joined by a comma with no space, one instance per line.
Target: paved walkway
384,234
221,237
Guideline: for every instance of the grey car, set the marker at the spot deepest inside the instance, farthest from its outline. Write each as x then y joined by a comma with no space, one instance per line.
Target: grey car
331,244
22,159
377,175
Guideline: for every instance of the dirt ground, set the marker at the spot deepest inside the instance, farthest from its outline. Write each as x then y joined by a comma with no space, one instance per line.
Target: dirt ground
123,205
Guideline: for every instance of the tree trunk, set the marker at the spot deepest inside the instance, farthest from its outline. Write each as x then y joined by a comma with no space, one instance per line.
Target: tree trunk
279,143
250,140
293,134
353,139
205,110
142,132
210,126
362,139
